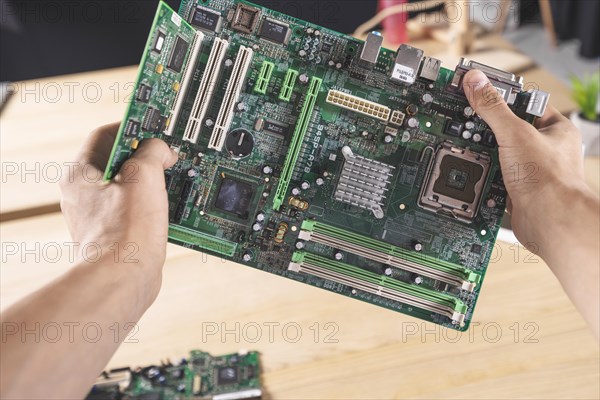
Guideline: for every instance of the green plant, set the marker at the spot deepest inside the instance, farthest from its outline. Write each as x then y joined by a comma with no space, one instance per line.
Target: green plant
585,93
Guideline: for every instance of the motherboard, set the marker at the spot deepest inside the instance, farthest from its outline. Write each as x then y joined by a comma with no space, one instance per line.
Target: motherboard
200,376
332,161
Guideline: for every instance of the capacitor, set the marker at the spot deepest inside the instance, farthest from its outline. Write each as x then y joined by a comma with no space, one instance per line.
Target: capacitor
418,280
299,245
427,98
477,138
241,106
305,185
265,194
491,203
317,33
260,217
365,134
413,122
302,53
417,246
267,170
228,63
467,135
247,257
338,65
331,63
320,181
256,227
310,31
338,255
303,79
209,122
295,191
405,136
388,271
192,173
388,139
469,125
412,109
468,111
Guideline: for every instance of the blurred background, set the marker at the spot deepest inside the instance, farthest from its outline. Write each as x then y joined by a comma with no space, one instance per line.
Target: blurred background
70,66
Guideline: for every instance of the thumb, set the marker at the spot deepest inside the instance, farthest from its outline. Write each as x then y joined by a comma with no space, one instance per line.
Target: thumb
152,156
490,105
157,152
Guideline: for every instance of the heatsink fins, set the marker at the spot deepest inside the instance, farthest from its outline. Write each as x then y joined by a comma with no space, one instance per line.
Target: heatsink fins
363,182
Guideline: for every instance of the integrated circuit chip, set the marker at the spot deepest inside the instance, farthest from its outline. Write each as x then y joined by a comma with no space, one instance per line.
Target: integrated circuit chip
235,197
159,42
143,93
227,375
275,31
153,121
245,18
132,128
178,54
206,19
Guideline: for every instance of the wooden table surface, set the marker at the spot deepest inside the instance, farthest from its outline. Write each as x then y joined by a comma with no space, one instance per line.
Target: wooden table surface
526,341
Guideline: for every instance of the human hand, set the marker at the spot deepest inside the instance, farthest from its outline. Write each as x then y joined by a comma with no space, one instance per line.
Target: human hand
542,165
125,219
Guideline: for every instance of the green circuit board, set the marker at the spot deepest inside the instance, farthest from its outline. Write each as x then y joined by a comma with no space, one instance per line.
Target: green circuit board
316,156
200,376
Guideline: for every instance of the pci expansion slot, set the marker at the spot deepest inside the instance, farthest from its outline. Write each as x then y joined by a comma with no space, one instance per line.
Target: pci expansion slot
185,83
206,90
390,288
386,253
297,139
232,95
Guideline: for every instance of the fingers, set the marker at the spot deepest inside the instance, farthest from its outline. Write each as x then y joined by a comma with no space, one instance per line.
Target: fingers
155,151
152,155
97,147
552,116
489,105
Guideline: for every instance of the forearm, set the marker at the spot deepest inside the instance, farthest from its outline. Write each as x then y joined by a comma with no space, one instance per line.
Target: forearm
569,245
107,296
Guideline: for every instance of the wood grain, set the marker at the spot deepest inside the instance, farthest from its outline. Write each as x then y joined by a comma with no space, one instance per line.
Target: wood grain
527,340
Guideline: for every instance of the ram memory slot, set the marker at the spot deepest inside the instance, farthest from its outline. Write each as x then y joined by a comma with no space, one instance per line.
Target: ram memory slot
232,95
380,285
185,83
288,85
202,240
206,90
386,253
297,139
264,77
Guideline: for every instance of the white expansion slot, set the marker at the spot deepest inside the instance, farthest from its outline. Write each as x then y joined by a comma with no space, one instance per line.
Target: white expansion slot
185,83
232,95
206,90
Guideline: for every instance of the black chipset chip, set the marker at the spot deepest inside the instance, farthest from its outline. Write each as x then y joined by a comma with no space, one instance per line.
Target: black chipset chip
274,31
153,121
206,19
235,197
278,129
178,54
143,94
227,375
132,128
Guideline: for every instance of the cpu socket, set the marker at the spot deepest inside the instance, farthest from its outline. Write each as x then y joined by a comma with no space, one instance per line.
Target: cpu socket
454,182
